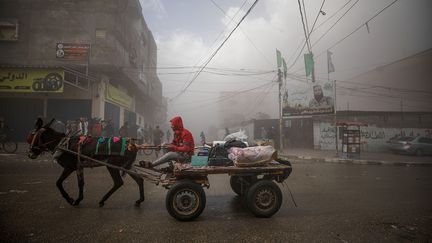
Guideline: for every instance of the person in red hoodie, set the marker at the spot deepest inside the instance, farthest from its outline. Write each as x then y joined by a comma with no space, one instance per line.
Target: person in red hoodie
182,146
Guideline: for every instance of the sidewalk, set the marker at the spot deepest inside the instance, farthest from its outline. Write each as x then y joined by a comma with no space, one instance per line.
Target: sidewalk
369,158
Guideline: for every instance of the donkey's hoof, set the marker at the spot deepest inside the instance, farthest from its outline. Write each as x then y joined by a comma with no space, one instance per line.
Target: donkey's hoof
70,201
138,202
101,204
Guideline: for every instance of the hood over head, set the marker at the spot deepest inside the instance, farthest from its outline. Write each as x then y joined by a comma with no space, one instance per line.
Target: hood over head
177,123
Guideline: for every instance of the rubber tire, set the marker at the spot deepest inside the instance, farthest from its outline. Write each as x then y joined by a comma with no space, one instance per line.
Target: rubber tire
236,185
190,187
264,186
9,146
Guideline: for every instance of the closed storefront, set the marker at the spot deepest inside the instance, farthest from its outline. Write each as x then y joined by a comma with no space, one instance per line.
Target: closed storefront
112,112
70,109
20,114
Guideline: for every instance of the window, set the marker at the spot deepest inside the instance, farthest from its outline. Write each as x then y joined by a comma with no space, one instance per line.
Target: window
8,30
100,33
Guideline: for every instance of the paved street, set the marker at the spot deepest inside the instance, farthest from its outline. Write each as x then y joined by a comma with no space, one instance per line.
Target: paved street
336,203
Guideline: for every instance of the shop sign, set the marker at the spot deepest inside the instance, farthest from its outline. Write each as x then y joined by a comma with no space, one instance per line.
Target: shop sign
72,51
25,80
116,96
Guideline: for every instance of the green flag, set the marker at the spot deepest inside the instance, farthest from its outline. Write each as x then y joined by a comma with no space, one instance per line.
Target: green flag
309,63
284,68
278,58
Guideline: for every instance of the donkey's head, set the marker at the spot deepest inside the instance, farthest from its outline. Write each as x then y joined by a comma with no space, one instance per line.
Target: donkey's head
42,138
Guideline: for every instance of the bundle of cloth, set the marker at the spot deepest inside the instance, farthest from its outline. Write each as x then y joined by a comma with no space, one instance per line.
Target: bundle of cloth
252,156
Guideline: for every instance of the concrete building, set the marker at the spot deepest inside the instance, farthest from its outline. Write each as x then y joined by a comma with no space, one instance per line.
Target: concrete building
403,108
77,58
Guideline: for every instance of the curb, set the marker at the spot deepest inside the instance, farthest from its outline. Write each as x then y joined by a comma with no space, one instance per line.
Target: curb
353,161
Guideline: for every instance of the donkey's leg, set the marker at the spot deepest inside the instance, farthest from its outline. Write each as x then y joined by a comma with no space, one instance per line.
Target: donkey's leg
140,183
118,182
80,178
66,172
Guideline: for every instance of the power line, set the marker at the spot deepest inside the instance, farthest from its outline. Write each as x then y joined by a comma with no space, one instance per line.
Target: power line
303,43
359,27
247,37
304,27
334,14
337,21
217,50
308,38
306,21
220,99
355,30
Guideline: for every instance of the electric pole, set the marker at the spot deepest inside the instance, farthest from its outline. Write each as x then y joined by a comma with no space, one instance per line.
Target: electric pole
280,107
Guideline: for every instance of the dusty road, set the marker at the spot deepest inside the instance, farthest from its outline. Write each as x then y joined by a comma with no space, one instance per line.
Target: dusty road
336,203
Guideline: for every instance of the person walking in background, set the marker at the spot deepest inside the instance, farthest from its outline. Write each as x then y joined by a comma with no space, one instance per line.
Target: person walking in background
133,131
123,131
168,136
140,134
203,139
146,134
157,138
83,126
107,129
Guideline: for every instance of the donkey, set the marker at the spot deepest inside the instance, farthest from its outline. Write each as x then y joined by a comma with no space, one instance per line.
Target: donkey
44,138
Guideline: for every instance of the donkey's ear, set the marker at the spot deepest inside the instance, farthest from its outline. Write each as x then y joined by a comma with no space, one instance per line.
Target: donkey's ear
38,123
49,123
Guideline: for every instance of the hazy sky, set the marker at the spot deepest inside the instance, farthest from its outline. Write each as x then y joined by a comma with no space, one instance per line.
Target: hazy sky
187,33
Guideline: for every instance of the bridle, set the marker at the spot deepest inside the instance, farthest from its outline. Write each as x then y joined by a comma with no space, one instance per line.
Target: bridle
42,147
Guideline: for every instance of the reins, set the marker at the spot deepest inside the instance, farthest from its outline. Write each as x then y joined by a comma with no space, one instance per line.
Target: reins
42,147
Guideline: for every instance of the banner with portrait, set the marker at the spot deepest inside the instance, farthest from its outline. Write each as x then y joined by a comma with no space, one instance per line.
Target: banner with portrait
301,98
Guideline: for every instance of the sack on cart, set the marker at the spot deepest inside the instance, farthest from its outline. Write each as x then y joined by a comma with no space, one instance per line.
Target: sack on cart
218,155
252,156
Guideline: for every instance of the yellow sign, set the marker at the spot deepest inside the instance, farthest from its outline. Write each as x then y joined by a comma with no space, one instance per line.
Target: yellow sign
117,96
25,80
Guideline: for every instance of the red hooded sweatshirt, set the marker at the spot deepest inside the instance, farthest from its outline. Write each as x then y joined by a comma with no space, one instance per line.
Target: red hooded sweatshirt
183,140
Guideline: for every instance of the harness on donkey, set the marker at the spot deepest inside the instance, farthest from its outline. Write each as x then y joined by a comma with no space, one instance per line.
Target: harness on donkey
105,147
74,153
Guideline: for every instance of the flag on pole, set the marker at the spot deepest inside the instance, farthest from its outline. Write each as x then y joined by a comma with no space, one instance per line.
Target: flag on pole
309,63
330,66
284,68
278,58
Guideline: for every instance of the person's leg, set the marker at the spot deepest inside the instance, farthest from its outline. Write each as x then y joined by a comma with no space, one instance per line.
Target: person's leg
167,157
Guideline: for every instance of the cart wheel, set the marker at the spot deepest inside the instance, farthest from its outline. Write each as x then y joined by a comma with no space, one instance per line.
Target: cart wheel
185,201
264,198
240,184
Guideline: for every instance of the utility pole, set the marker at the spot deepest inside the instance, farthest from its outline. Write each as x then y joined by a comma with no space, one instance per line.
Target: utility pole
313,68
335,120
280,108
402,116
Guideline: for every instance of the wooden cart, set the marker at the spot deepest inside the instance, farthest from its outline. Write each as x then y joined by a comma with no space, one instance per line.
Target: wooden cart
186,198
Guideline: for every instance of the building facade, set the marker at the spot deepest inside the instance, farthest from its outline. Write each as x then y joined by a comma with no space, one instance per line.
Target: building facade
74,58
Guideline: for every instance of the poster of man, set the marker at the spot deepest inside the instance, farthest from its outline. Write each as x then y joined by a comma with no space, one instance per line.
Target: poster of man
319,100
301,98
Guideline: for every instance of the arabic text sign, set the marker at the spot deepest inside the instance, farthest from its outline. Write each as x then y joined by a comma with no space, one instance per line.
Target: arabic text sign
117,96
300,99
72,52
25,80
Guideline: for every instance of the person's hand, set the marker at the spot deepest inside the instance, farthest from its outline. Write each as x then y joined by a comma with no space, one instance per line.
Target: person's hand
169,147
